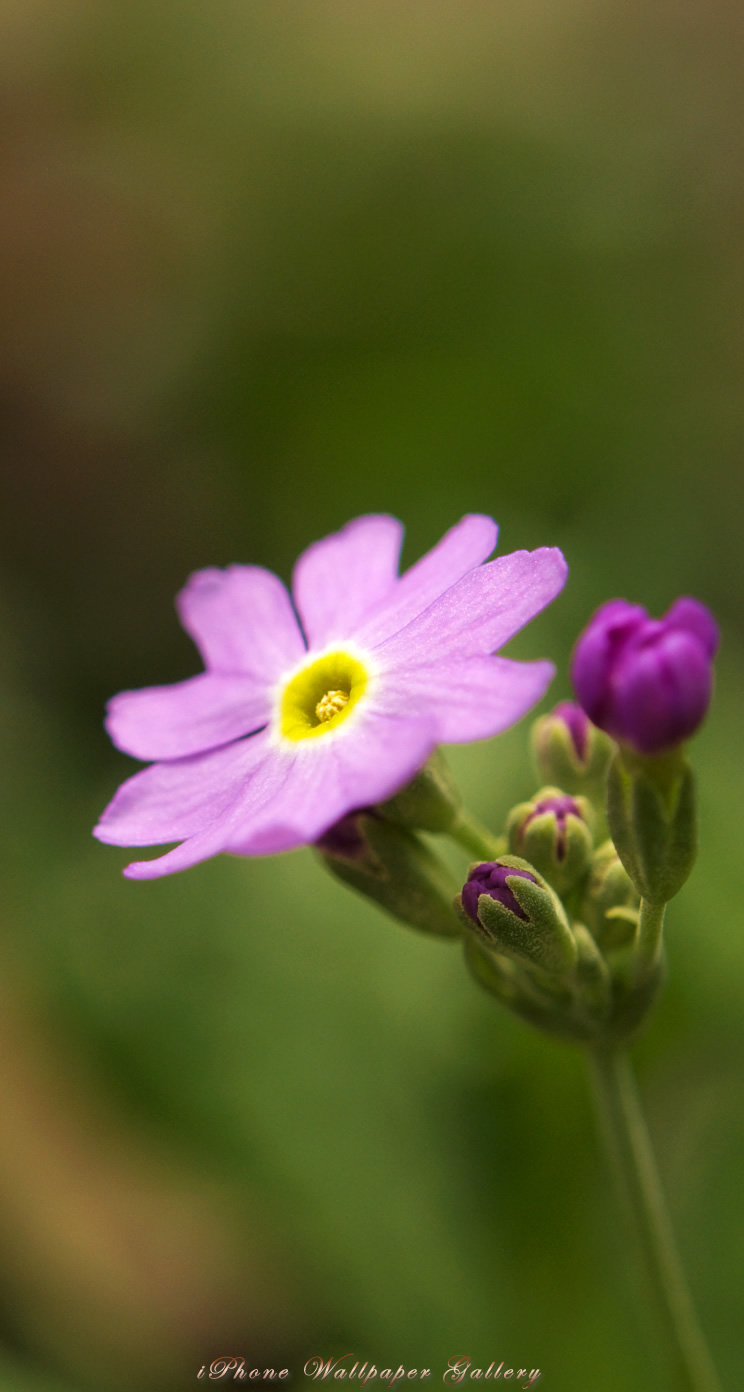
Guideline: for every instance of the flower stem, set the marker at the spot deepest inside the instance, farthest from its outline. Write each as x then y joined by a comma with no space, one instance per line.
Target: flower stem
473,836
629,1144
648,942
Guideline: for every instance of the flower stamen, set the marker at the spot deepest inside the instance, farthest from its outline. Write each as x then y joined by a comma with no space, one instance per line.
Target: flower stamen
331,704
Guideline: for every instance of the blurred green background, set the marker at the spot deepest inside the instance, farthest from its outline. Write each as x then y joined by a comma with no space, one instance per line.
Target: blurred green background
264,267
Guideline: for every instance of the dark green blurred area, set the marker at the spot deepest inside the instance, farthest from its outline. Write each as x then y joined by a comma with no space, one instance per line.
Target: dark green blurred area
263,268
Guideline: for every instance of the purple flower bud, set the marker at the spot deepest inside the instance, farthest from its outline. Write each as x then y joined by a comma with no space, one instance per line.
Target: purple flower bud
561,807
490,878
571,753
575,719
646,682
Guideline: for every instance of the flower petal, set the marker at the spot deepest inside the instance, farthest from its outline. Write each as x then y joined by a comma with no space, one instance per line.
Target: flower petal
255,789
174,800
461,549
202,846
483,610
473,698
338,581
253,798
336,776
242,621
694,617
662,694
190,717
596,651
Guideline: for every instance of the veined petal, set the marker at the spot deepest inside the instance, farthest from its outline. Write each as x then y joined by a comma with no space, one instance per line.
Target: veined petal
462,548
484,609
337,582
472,698
172,801
190,717
333,777
242,621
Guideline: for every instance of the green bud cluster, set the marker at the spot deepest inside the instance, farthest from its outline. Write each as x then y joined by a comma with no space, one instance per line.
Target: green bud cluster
570,971
536,960
572,939
569,953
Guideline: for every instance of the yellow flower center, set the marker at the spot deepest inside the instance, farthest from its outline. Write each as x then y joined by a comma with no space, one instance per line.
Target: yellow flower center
322,695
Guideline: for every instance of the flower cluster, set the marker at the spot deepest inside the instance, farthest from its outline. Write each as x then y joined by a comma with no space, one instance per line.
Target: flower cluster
317,720
587,967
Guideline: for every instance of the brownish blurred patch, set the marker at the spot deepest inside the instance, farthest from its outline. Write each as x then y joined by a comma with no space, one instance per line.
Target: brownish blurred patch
123,1266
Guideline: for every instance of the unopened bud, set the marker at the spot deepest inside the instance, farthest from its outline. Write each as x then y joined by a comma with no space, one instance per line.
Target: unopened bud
610,903
646,681
392,866
553,832
516,912
571,752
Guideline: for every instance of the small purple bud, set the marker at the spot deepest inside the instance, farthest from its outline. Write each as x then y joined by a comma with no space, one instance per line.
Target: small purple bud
554,833
575,719
570,753
647,682
490,878
561,807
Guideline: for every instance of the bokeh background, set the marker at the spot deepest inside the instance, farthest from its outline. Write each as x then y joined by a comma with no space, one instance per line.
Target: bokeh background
264,267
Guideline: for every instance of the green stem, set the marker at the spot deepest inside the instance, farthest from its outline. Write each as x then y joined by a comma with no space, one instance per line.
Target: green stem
648,941
473,836
690,1364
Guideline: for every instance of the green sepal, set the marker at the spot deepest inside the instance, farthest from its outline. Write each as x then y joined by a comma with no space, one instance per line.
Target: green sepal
609,905
557,759
521,992
592,976
536,837
651,812
392,866
430,802
543,939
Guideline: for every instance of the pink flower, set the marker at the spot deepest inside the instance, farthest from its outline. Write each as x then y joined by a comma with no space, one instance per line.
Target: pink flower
289,728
